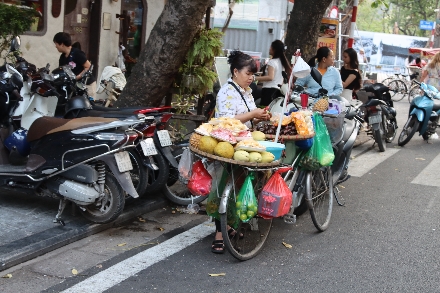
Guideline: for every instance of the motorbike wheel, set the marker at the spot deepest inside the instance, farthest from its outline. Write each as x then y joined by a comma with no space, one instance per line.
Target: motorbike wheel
408,131
108,208
139,174
158,178
391,130
380,136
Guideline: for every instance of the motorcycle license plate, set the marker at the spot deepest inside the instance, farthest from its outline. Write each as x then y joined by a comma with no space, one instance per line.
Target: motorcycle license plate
374,119
123,161
148,147
164,138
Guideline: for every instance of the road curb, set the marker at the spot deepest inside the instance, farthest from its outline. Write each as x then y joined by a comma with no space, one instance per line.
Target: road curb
43,246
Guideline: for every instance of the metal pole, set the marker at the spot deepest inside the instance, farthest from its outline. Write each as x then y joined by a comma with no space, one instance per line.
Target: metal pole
340,40
353,23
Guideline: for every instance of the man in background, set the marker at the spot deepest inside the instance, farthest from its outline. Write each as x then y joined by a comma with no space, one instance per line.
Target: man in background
74,57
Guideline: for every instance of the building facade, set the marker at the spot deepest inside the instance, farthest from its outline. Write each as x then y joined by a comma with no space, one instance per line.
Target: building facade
98,25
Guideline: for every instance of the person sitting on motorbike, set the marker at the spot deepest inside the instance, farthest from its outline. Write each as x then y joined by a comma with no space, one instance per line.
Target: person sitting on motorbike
235,100
331,79
274,76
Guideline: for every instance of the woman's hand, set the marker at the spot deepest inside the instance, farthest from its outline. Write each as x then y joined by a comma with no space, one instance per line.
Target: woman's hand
260,114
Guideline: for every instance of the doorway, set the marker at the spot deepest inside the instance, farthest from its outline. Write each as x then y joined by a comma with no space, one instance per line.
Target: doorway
79,17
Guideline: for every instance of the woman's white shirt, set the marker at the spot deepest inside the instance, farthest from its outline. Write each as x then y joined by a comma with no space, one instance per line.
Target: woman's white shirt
277,66
229,102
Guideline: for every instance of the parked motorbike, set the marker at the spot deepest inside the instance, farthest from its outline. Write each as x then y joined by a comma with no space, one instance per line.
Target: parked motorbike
67,159
424,113
381,115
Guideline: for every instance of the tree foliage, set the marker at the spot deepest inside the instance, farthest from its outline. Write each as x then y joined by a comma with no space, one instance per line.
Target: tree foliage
13,22
382,15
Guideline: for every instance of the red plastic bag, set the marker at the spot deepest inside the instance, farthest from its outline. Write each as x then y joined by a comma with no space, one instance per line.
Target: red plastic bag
200,182
275,198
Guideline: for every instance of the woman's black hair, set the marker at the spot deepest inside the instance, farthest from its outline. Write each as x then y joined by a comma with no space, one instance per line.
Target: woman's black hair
418,60
320,54
410,58
352,54
278,52
239,60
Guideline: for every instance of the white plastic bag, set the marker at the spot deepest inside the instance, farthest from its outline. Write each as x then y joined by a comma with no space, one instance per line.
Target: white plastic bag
185,166
301,68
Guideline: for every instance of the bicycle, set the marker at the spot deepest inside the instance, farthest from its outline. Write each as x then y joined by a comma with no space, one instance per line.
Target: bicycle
400,85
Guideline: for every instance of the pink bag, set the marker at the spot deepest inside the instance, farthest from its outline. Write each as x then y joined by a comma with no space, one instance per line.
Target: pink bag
200,182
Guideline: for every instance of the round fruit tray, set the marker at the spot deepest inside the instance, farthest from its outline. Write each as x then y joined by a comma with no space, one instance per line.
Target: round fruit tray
290,137
247,164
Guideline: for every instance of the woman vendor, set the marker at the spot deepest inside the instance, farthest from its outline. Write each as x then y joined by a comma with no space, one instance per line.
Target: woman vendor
235,100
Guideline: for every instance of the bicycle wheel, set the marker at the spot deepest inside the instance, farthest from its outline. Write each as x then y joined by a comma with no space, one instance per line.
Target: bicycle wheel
415,91
175,190
319,191
387,80
251,236
398,90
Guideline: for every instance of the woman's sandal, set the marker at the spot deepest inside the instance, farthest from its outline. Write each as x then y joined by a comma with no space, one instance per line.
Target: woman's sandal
218,247
232,233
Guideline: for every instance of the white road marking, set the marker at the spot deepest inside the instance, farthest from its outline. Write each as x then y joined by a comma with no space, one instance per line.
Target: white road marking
429,175
129,267
360,165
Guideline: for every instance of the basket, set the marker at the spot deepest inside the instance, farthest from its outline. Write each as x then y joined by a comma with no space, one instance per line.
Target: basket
335,127
247,164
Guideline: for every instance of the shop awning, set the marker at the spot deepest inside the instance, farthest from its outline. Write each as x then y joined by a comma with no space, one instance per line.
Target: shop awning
424,52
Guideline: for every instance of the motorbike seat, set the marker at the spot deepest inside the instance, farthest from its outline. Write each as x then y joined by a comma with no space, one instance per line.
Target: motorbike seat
48,125
436,105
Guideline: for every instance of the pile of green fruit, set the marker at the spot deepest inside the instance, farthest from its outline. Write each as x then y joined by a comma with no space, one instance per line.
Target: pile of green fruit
246,212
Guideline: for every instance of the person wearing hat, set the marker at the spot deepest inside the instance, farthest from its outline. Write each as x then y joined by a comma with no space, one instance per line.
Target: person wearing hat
361,56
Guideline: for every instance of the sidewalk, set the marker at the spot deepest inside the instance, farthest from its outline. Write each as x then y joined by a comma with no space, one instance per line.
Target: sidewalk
27,230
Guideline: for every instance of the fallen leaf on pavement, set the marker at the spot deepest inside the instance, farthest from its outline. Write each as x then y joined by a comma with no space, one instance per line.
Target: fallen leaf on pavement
173,212
75,272
218,275
160,228
141,219
421,159
99,266
7,276
341,186
122,244
287,245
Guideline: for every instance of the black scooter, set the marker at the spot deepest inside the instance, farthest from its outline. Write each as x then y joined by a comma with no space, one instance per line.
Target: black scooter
381,115
67,159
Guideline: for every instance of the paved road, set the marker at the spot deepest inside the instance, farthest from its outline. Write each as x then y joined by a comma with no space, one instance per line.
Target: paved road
383,240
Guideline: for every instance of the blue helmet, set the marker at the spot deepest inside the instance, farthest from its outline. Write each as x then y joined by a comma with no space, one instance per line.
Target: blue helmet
18,141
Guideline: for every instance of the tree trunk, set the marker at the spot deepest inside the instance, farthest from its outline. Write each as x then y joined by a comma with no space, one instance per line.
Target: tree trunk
166,48
303,27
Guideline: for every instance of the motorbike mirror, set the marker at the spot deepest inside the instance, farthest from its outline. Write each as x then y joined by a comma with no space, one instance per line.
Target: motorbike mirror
15,44
323,91
316,75
298,88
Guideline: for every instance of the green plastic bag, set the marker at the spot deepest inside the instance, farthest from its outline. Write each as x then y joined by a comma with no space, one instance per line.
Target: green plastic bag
321,152
247,204
213,202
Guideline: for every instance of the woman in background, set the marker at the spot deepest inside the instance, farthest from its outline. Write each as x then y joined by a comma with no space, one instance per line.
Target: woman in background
431,72
351,78
274,77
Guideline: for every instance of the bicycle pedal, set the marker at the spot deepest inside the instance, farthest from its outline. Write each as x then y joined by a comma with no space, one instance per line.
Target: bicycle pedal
289,219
